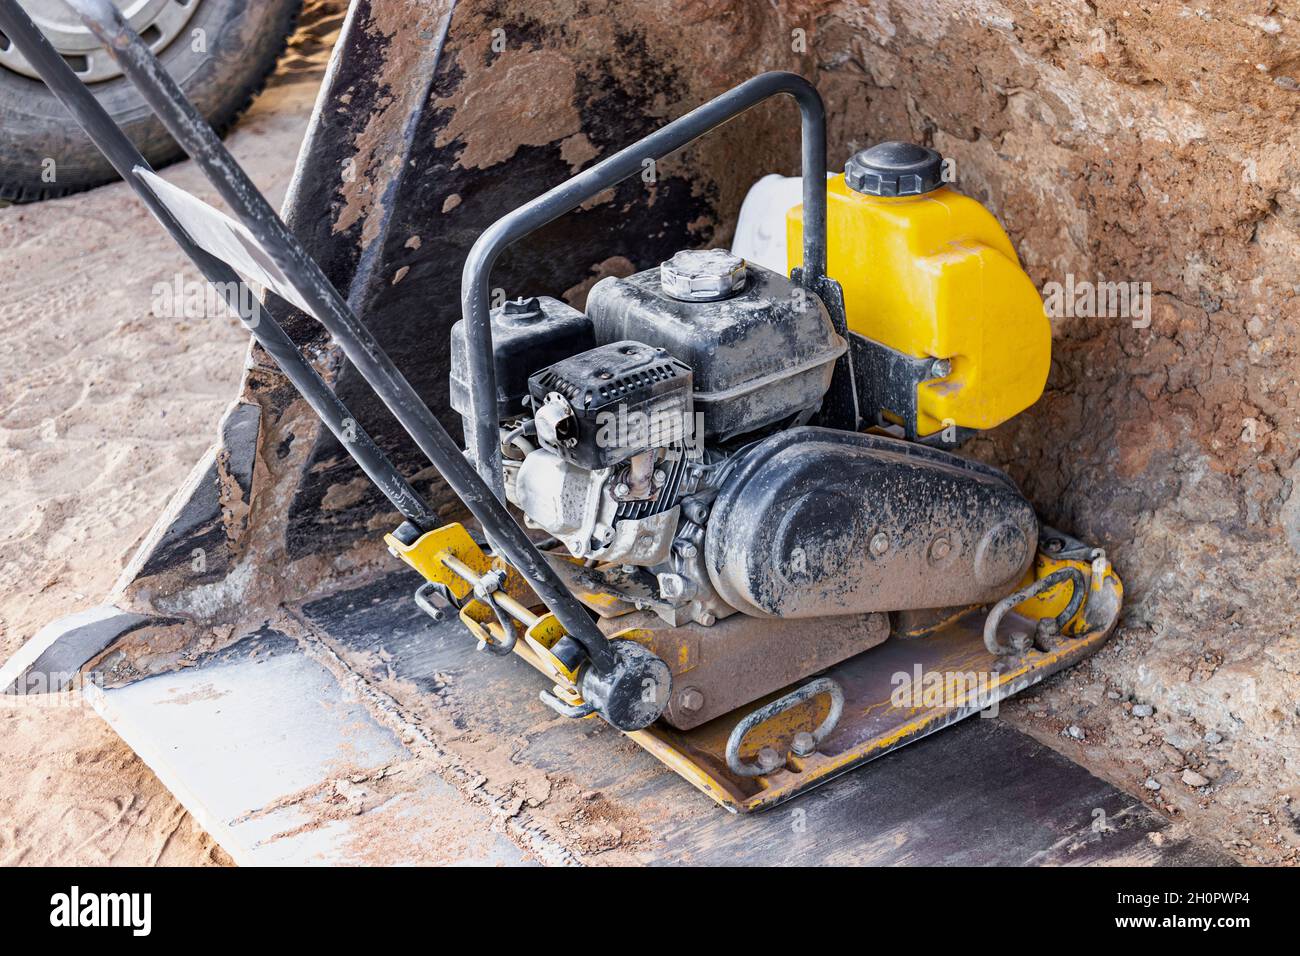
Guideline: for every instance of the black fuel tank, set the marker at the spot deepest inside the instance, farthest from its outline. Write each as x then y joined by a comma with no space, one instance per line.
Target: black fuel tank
764,353
818,522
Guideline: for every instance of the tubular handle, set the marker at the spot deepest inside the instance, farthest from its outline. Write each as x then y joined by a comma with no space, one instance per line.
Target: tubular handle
197,138
475,292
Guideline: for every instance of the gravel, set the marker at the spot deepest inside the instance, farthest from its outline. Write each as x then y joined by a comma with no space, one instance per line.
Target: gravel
1194,779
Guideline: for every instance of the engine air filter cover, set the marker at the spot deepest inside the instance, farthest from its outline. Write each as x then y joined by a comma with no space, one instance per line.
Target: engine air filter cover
526,335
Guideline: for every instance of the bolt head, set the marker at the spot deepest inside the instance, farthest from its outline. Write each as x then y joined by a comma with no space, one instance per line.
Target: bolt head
940,548
803,744
941,368
879,543
672,586
769,759
707,618
622,490
691,699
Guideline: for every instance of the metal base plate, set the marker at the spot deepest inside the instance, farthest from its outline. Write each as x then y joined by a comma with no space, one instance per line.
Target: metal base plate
895,694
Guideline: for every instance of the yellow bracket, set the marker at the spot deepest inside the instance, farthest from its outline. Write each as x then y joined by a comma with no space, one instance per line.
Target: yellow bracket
428,554
1054,600
543,634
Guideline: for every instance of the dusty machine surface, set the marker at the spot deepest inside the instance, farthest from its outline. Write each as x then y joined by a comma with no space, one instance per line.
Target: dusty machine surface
733,472
720,505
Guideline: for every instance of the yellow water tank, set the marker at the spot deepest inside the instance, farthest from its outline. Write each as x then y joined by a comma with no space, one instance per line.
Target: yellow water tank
928,271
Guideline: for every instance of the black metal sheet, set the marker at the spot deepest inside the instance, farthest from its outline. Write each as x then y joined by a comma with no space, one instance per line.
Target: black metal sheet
977,793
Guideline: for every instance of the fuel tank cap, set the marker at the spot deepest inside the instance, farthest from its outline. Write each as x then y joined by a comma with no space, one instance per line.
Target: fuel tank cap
702,275
894,169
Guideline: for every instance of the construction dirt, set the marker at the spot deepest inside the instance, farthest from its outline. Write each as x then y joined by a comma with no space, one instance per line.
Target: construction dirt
1151,144
1148,143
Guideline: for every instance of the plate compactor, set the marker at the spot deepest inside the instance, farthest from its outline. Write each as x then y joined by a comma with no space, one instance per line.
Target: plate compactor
721,508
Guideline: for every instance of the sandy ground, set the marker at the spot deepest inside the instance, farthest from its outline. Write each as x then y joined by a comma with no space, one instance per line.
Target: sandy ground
104,408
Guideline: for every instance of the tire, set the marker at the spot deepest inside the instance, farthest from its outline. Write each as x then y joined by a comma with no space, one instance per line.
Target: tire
244,38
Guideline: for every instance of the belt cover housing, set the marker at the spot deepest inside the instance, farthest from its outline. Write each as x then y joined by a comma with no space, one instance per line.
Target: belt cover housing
817,522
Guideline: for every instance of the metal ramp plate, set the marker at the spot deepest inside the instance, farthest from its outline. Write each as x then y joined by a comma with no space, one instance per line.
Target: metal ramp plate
283,764
357,731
